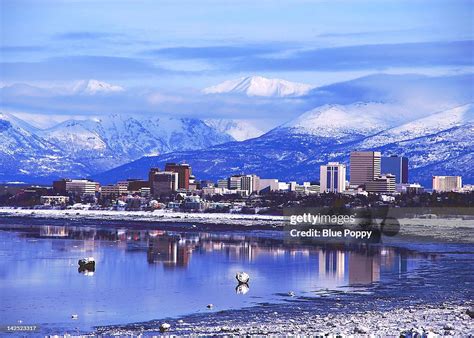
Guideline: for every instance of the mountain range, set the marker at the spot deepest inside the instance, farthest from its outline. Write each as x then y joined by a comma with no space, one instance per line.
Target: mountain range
429,120
83,147
440,144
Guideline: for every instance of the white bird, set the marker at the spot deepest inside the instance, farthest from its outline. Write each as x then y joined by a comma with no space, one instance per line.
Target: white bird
242,277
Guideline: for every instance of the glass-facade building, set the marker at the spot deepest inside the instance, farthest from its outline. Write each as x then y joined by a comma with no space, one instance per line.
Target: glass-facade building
397,166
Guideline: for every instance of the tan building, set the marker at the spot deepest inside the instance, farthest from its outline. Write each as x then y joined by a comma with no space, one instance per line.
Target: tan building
447,183
111,190
365,166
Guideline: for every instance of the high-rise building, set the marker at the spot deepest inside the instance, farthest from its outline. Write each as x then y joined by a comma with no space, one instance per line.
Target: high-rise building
332,177
163,182
381,184
396,165
447,183
365,167
184,172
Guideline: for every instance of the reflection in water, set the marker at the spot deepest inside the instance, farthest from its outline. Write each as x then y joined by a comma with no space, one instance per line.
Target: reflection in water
351,265
148,274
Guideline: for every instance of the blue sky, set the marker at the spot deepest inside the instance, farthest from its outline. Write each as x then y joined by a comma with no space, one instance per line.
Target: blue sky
173,46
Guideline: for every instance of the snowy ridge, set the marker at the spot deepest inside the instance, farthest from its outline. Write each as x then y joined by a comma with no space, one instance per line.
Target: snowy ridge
82,147
422,127
295,150
92,87
260,86
338,121
240,130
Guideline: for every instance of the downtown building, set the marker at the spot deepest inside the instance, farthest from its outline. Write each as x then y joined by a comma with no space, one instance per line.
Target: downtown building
76,187
381,184
247,183
332,177
447,183
397,166
162,182
184,173
365,167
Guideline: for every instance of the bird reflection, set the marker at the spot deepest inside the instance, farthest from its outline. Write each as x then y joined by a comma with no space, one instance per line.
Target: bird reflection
242,289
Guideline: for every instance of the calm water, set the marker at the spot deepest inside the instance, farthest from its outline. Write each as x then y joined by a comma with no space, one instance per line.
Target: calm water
144,274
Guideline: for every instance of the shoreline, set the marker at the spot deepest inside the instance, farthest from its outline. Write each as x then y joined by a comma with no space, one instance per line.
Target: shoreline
428,320
157,216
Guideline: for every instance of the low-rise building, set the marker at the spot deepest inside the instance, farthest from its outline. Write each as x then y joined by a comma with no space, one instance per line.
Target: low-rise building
82,187
54,200
381,184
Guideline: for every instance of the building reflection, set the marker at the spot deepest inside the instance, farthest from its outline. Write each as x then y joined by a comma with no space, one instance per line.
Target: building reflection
341,264
169,250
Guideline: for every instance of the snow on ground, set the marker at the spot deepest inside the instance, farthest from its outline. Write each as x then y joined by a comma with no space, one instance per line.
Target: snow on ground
155,216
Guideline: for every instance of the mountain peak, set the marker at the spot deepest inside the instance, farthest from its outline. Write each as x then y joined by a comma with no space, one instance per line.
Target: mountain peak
91,87
260,86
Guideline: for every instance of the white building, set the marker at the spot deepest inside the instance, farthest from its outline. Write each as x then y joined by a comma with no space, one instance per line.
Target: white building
447,183
249,183
269,184
54,200
332,177
81,187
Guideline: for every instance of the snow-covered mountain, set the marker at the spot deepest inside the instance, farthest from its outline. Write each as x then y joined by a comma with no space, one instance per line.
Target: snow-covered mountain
23,154
240,130
344,122
83,147
295,150
422,127
92,87
260,86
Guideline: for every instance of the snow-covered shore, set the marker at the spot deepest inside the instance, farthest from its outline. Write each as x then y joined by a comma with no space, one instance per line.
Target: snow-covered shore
147,216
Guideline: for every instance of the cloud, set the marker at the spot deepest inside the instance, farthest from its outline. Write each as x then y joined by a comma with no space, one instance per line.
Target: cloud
421,93
22,49
85,35
374,57
218,52
79,67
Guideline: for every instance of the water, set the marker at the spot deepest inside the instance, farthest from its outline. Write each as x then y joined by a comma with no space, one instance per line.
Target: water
143,274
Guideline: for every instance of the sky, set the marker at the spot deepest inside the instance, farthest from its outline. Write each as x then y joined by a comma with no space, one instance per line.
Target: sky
171,49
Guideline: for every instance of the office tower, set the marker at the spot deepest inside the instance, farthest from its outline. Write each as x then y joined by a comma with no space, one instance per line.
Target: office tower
383,183
447,183
396,165
332,177
163,182
184,173
365,166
